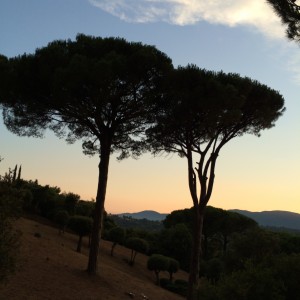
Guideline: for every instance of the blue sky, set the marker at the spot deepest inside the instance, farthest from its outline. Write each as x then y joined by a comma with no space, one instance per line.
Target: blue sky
244,37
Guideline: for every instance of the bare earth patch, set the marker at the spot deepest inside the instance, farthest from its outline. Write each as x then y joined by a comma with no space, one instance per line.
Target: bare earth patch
50,268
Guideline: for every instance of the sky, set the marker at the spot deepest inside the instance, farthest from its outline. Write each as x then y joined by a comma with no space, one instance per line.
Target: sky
244,37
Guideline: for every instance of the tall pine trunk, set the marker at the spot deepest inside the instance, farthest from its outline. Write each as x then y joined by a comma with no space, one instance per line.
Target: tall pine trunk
99,210
195,255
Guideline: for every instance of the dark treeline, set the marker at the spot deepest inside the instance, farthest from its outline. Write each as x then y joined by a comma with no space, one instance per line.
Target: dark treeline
130,222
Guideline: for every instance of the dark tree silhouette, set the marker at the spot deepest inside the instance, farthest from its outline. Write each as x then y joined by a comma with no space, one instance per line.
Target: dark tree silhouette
91,89
176,242
117,236
200,112
62,218
11,200
158,263
136,245
289,13
173,267
82,226
70,202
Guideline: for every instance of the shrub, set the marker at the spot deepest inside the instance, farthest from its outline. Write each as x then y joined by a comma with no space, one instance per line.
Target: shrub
208,291
254,282
165,282
214,269
179,287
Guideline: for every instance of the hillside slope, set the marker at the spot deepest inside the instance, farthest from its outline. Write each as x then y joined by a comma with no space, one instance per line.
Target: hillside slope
51,269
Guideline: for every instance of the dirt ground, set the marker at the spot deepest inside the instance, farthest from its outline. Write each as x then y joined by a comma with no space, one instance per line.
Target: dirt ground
50,268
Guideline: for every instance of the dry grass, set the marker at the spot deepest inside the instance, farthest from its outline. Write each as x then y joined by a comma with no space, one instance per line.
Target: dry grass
52,269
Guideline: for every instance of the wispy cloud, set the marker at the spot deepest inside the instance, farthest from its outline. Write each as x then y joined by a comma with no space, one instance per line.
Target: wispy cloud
255,13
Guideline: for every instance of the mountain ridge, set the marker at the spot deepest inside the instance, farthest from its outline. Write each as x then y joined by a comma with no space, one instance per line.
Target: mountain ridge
272,218
145,214
276,218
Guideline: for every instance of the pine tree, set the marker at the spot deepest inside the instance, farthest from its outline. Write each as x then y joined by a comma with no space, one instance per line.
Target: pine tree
19,174
289,13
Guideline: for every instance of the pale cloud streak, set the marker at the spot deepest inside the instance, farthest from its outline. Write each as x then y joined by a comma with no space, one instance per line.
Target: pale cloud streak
254,13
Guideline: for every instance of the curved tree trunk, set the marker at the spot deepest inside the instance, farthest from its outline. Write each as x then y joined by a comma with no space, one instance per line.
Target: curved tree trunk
195,256
99,210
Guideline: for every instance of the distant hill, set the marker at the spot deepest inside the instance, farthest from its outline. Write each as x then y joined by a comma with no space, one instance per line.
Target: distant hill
145,214
275,218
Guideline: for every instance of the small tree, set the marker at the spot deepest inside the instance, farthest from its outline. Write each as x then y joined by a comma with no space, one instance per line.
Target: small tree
70,202
19,174
176,242
81,226
15,174
136,245
173,267
62,218
117,236
158,263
